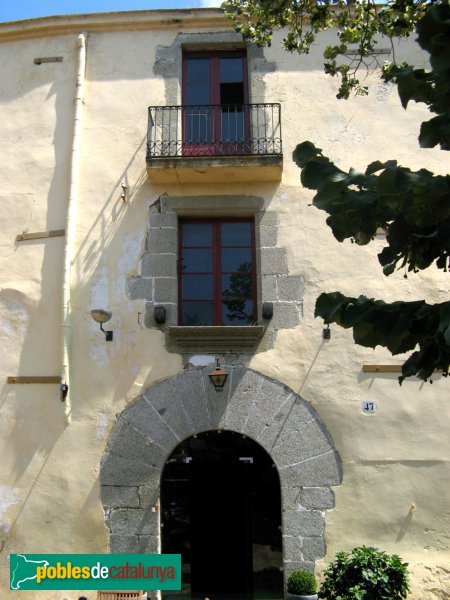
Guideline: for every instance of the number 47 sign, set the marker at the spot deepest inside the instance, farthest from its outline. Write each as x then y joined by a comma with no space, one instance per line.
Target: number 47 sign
369,407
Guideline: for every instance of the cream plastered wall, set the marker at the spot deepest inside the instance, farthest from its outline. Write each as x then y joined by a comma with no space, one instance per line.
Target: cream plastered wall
395,490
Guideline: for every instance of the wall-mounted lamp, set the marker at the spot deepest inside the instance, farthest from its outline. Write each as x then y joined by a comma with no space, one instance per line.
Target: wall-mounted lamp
159,314
218,377
267,310
124,187
102,316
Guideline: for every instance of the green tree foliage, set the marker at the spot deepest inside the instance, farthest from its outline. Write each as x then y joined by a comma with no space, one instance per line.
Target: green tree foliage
413,207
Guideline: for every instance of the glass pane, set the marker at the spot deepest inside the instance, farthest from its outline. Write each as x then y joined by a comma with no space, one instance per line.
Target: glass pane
198,93
197,234
236,234
198,70
197,261
231,69
232,127
197,127
237,312
232,93
197,287
238,285
236,259
197,313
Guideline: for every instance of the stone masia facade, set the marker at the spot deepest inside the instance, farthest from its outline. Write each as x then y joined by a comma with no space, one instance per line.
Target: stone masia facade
147,173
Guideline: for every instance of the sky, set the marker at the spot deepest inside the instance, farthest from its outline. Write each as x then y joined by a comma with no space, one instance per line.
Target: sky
15,10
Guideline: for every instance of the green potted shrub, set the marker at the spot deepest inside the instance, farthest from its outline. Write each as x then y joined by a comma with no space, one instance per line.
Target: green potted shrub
365,574
301,585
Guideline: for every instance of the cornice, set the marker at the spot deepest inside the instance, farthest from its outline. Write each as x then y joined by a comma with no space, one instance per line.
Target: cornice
115,21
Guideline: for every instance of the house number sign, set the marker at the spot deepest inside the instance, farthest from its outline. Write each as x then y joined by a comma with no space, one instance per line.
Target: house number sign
369,407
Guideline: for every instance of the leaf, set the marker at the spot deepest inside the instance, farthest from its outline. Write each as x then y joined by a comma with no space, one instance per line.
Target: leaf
304,152
374,167
315,173
328,306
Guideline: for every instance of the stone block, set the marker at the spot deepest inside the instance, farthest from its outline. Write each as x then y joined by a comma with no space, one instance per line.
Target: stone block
126,441
148,496
133,521
270,431
305,523
145,418
269,288
290,288
244,392
285,315
200,205
164,400
133,544
159,265
268,340
163,220
271,398
165,289
290,496
268,237
267,218
304,441
119,496
123,544
162,241
319,498
319,471
140,288
118,471
313,548
190,389
292,547
273,261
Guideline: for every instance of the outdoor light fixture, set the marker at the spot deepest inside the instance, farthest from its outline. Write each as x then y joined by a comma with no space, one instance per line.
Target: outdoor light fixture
102,316
218,377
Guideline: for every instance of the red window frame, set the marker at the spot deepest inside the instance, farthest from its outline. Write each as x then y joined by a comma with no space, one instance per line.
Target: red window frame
200,149
217,271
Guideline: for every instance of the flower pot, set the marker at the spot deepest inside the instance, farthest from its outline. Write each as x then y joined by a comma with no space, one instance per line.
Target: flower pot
300,597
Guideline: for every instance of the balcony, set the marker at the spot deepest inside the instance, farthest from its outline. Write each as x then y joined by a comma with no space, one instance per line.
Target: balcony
214,143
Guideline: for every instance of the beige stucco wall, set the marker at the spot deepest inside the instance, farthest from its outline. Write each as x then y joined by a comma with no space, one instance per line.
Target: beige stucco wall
49,494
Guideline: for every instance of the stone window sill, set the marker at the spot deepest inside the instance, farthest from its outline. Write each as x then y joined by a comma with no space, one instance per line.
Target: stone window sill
216,338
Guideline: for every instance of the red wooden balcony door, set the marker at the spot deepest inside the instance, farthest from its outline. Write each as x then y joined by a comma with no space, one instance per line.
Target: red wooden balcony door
214,97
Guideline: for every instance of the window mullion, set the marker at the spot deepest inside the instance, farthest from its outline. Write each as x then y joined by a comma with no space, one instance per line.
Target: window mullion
217,263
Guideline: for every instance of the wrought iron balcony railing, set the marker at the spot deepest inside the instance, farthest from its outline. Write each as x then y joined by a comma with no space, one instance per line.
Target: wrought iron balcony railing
214,130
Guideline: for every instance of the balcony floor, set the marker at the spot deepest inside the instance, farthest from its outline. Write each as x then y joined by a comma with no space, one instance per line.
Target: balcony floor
215,169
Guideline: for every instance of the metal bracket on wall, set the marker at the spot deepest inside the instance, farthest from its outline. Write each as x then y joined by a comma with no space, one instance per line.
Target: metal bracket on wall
47,59
23,237
33,379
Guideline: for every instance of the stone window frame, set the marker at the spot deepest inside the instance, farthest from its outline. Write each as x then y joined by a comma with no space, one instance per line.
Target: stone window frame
157,283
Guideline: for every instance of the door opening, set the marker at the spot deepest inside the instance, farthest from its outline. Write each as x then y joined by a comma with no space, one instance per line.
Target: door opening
221,510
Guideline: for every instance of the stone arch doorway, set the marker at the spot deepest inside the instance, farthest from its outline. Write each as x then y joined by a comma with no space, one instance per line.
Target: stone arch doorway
221,510
274,416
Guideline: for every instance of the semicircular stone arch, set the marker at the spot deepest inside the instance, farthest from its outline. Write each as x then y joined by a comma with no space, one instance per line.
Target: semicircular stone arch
170,411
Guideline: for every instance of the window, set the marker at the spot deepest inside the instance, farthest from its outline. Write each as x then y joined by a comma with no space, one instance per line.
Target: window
214,97
217,272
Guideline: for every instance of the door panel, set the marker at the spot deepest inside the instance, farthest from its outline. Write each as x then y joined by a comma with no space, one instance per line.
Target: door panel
214,121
